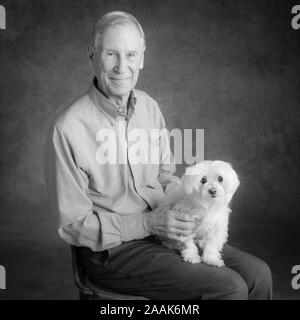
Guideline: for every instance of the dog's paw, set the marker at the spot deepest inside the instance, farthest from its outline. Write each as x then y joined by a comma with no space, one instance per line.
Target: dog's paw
191,258
213,261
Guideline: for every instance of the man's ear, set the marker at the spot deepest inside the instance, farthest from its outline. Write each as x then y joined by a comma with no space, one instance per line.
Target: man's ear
91,54
142,61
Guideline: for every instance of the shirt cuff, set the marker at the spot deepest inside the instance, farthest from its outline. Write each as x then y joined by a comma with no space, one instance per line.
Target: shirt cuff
118,228
133,227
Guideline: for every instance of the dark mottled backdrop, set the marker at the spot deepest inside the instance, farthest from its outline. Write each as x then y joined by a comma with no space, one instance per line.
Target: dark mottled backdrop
230,67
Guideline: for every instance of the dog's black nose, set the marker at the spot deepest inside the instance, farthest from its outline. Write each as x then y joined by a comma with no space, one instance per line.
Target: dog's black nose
212,191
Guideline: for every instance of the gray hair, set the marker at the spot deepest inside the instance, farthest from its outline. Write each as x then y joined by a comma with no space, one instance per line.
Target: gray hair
111,19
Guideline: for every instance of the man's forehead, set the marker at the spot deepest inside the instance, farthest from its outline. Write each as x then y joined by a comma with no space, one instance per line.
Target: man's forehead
120,35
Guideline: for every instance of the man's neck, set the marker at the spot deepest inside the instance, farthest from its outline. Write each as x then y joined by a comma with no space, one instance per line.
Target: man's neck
118,101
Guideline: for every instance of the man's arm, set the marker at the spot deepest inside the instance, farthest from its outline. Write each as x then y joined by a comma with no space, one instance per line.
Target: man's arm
167,166
68,191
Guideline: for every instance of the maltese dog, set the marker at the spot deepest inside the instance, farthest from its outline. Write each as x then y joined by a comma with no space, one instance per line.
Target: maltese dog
205,191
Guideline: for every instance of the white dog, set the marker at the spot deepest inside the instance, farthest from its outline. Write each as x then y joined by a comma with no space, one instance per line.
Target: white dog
206,189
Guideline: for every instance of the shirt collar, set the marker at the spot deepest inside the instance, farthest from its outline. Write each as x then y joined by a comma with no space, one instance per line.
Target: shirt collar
103,103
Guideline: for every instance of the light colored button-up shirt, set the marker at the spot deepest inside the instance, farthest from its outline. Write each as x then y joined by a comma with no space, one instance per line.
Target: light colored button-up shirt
102,204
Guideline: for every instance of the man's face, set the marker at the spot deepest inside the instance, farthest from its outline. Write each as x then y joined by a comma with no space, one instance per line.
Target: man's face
118,58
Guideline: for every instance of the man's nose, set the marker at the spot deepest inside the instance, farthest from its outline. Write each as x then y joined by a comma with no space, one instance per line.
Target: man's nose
121,64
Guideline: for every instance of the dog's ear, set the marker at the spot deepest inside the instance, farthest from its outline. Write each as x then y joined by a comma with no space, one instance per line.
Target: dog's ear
189,183
198,168
233,184
189,170
191,178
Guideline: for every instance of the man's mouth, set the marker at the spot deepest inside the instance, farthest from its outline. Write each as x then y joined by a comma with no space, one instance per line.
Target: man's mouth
119,79
120,82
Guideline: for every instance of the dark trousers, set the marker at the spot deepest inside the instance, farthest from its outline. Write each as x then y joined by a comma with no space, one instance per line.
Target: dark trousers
146,268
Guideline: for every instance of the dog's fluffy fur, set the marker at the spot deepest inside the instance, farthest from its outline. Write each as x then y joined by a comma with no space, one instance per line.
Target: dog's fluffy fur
206,189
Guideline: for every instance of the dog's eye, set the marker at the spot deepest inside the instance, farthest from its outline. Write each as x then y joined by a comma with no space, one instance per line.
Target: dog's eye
220,179
203,180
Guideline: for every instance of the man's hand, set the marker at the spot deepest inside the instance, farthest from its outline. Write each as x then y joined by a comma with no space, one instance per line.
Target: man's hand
170,223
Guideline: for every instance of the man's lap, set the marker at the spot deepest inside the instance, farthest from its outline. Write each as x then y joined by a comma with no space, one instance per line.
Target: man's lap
144,267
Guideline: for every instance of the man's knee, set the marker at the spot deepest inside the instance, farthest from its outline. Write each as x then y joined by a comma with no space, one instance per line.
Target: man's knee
264,273
262,284
235,287
227,285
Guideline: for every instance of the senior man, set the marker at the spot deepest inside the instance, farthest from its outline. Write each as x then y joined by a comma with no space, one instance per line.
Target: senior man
110,209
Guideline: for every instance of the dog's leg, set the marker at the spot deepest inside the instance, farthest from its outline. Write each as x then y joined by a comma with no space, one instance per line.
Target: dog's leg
190,252
211,254
200,243
212,251
213,244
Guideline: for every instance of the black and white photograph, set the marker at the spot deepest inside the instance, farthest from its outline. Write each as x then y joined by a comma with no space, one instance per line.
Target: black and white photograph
150,151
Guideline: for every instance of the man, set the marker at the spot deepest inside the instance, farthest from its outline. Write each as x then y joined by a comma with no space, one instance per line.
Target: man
110,209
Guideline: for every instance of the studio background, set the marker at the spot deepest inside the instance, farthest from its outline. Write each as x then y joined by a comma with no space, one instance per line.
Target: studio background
229,67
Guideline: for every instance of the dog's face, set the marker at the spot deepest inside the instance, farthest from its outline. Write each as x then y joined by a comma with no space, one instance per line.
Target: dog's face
213,181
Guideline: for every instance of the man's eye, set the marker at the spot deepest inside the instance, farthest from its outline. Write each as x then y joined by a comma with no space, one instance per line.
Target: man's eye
220,179
109,53
203,180
132,55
